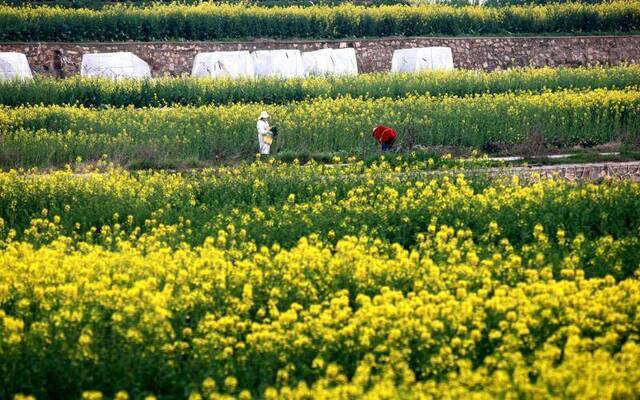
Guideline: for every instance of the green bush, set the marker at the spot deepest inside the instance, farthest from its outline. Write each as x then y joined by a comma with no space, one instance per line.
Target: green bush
54,135
211,22
189,91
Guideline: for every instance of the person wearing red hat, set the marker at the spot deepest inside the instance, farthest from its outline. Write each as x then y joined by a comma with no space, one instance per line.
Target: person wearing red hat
386,136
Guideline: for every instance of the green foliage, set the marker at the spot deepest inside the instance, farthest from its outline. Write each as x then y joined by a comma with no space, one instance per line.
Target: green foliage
189,91
211,22
98,4
52,135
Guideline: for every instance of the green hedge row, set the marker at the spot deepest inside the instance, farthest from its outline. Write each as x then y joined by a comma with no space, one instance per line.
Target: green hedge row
54,135
208,21
98,4
190,91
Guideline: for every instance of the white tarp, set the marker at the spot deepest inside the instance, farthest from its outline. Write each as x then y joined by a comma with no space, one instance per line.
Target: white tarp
330,62
282,63
230,64
14,66
114,65
411,60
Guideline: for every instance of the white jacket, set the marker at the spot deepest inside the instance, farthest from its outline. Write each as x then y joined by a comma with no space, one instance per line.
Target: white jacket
263,130
263,127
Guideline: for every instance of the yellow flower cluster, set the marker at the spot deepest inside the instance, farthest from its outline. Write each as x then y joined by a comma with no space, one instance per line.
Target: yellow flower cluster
318,320
379,284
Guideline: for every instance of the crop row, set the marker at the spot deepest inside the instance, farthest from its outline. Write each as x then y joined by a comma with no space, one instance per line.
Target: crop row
102,3
51,135
189,91
209,21
279,203
173,285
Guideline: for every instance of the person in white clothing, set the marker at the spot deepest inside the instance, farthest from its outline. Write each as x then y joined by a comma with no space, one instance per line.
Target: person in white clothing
265,136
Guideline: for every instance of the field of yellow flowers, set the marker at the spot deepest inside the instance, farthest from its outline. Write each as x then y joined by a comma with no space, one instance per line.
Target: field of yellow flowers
275,280
57,134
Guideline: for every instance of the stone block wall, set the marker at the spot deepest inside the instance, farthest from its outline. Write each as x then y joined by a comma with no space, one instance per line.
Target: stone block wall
488,53
574,172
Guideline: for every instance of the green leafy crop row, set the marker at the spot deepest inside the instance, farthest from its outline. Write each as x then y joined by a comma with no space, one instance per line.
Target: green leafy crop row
209,21
98,4
188,91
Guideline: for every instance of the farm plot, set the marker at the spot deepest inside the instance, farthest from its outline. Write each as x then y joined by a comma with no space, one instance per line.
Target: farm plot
55,135
394,277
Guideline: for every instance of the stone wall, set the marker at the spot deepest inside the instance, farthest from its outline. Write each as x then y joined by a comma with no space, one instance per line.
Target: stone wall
574,172
489,53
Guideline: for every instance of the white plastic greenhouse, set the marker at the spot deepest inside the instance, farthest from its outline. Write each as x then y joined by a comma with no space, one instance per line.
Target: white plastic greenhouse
330,62
231,64
114,65
282,63
14,66
425,58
